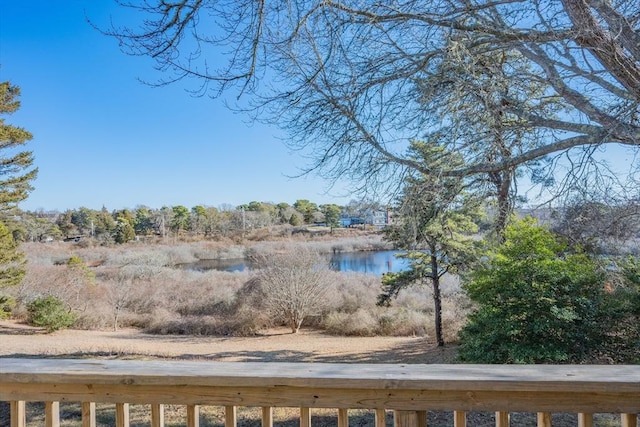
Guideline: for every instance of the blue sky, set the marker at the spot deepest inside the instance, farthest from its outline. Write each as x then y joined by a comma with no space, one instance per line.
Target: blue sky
101,138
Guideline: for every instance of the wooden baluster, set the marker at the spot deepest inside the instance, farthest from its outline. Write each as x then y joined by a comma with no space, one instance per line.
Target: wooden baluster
343,418
267,416
629,420
230,416
544,419
305,417
381,418
122,415
193,416
52,414
410,418
459,419
502,419
18,413
157,415
585,420
88,414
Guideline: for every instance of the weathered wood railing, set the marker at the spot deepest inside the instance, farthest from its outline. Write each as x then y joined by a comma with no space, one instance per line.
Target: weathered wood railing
409,390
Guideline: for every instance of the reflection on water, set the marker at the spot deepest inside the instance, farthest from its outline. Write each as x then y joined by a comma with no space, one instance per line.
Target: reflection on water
375,262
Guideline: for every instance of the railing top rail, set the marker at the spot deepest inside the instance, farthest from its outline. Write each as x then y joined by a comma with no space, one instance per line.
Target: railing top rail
583,378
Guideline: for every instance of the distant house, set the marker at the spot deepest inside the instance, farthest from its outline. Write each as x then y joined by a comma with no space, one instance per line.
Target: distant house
379,218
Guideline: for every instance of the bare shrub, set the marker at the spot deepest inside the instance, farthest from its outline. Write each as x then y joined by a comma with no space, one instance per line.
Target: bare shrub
399,321
455,309
218,250
152,256
359,323
294,284
71,283
353,291
235,325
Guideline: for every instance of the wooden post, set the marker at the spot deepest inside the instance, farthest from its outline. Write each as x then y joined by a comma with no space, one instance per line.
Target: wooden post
459,419
88,414
193,416
343,418
585,420
410,418
230,416
157,415
305,417
629,420
267,416
381,418
52,414
544,419
502,419
18,413
122,415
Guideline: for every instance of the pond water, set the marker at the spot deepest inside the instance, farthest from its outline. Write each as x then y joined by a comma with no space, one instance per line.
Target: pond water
372,262
375,262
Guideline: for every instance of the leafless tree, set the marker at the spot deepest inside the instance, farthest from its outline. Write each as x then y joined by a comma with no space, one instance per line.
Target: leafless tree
599,225
351,80
293,284
124,285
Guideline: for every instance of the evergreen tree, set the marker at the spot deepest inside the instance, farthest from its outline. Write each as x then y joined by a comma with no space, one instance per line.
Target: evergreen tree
143,223
294,220
331,214
180,219
307,209
11,260
15,177
16,172
124,231
435,221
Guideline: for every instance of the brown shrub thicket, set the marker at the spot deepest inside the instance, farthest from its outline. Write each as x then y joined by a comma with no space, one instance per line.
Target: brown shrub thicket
142,285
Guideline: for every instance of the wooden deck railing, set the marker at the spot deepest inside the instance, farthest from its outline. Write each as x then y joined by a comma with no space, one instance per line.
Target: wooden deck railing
409,390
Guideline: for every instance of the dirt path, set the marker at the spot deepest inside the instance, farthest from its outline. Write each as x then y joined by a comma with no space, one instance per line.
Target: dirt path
18,340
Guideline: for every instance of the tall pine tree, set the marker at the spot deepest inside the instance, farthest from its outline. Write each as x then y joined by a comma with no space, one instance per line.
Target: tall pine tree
16,174
11,260
434,223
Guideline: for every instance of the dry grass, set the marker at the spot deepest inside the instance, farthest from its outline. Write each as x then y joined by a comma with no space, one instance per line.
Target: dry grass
143,286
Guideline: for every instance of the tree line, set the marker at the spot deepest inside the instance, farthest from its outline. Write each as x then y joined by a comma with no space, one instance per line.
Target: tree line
123,225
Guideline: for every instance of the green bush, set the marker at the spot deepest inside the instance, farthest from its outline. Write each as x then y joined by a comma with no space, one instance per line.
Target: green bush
623,312
536,302
49,312
7,305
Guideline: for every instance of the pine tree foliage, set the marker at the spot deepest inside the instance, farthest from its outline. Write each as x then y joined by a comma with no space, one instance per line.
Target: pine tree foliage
434,225
12,262
16,171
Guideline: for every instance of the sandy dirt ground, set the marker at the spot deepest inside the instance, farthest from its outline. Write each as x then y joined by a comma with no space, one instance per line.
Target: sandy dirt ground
18,340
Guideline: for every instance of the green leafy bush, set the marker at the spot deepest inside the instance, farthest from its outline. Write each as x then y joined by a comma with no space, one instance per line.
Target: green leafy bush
50,312
7,305
536,302
623,312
